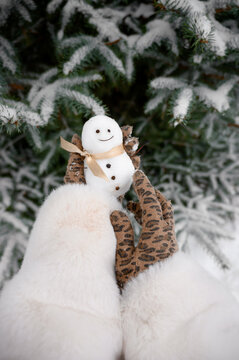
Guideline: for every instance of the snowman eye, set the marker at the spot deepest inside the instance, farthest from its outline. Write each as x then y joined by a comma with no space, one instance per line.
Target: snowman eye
108,130
97,131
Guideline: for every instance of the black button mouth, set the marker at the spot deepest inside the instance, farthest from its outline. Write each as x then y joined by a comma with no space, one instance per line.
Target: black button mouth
107,139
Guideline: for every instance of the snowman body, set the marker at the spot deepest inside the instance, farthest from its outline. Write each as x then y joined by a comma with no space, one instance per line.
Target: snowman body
119,171
100,134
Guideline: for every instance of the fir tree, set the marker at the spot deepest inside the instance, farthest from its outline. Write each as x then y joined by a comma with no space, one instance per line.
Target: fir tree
169,68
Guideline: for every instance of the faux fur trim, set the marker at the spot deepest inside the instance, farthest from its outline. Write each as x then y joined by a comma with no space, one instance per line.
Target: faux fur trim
64,302
176,311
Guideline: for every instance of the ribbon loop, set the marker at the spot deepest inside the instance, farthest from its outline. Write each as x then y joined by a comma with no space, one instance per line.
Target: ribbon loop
91,158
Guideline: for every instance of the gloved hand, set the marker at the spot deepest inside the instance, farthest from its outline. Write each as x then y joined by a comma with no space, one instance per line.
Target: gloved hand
157,241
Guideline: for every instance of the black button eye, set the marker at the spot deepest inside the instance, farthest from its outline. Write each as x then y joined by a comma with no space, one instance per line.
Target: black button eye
108,165
108,130
97,131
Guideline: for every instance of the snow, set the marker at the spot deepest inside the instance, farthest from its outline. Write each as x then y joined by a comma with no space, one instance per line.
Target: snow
76,59
129,47
197,59
23,11
7,45
34,132
182,104
50,154
6,6
7,55
157,30
145,10
5,185
40,82
111,58
201,15
192,6
106,28
230,249
166,82
154,102
13,220
203,26
223,37
129,65
85,100
105,20
6,260
219,98
53,5
14,111
44,95
92,44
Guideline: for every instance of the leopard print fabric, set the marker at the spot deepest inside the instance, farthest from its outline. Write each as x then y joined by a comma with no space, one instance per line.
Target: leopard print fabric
157,241
75,167
131,145
135,207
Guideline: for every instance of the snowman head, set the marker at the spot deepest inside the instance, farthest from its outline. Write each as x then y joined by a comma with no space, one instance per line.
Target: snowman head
100,134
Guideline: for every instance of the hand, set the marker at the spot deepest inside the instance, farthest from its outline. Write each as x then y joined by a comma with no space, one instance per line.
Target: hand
75,166
157,240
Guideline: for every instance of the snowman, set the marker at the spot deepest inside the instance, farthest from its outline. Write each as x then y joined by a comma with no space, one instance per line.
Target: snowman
101,134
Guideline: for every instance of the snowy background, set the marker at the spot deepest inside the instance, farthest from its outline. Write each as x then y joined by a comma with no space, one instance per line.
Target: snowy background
229,277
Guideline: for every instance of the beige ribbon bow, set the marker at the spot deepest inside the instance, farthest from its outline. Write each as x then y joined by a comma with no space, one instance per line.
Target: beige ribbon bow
91,158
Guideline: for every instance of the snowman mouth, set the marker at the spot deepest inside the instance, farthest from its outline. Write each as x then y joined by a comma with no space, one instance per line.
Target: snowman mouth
107,139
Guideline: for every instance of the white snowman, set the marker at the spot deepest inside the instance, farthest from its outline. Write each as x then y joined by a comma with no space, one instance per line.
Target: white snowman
100,134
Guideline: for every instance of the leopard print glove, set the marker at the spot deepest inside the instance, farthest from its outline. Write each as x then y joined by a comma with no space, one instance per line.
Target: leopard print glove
75,166
131,145
157,240
135,207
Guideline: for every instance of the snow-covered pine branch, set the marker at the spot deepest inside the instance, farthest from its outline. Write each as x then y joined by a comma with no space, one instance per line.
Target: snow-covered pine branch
185,6
104,20
202,27
88,101
223,38
203,23
163,87
48,89
12,112
182,105
154,103
7,55
169,83
83,53
129,48
22,7
219,98
157,30
53,5
78,57
35,136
